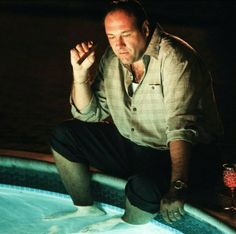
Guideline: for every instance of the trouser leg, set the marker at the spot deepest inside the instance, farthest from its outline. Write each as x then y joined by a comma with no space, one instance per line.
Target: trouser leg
150,180
96,144
77,145
101,146
146,188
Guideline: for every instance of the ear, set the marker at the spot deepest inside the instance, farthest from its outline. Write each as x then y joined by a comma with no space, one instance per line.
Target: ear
146,28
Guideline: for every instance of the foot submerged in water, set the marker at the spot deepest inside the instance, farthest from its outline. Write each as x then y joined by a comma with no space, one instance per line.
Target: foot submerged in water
115,224
80,211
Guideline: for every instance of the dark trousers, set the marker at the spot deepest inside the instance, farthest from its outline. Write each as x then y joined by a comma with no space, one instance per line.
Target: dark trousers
146,169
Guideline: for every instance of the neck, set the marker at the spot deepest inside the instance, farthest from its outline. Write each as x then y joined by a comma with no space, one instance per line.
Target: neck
137,70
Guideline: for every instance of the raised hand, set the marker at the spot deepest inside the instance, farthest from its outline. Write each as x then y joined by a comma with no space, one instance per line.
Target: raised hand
82,56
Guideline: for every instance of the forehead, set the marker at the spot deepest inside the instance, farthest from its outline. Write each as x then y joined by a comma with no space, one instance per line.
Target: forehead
119,19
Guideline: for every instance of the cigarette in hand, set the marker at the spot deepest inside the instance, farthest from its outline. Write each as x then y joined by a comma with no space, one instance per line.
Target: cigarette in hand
87,54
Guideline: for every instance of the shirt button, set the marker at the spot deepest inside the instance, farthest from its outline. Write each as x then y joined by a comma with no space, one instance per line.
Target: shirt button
132,129
153,87
134,109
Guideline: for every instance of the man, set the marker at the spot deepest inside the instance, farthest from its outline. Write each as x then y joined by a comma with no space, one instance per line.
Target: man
159,95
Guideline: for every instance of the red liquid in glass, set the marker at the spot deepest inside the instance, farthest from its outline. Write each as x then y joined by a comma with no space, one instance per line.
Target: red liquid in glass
230,178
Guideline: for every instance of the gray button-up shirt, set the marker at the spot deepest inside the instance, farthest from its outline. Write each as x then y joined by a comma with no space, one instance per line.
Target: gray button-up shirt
174,100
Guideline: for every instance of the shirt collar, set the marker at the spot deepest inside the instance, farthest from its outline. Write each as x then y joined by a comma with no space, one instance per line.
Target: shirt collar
154,44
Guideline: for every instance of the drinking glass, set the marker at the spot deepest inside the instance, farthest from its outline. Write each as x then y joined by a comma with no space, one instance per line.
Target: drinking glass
229,177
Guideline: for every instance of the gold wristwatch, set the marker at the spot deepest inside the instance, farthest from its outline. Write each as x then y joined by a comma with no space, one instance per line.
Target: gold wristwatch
179,185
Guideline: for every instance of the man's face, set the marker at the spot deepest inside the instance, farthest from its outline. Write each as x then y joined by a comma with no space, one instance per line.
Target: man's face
125,38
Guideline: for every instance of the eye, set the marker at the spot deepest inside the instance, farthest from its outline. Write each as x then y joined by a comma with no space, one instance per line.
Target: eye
126,34
110,37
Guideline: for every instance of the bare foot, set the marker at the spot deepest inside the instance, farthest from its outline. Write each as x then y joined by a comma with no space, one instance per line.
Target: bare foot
113,224
80,211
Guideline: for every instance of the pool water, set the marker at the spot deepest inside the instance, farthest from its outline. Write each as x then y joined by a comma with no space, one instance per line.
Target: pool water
25,200
23,211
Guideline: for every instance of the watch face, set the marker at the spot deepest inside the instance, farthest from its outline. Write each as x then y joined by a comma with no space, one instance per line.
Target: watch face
178,184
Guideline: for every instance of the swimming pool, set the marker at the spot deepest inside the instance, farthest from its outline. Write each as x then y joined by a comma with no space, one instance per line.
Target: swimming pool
40,180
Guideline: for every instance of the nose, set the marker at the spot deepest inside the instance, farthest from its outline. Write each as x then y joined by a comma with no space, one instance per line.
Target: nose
119,42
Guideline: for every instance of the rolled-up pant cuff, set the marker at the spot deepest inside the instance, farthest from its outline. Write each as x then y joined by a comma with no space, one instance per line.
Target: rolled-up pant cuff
144,193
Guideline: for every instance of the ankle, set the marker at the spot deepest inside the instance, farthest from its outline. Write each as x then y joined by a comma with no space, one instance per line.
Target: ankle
83,206
85,203
136,216
135,221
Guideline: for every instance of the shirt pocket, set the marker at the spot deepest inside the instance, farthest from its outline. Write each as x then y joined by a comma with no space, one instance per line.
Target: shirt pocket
155,90
151,96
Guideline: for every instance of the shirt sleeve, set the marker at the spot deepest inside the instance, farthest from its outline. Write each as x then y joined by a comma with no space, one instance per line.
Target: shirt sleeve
87,113
184,81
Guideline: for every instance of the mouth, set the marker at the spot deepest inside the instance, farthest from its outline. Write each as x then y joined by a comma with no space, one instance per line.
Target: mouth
123,53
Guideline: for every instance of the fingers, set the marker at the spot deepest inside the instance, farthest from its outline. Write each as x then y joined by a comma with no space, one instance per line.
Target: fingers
88,54
177,215
172,212
166,217
171,216
181,210
82,48
81,52
74,55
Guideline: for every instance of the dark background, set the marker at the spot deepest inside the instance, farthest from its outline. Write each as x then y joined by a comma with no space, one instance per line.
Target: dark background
35,72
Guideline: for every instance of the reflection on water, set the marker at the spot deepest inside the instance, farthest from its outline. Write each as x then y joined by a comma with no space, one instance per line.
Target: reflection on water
23,211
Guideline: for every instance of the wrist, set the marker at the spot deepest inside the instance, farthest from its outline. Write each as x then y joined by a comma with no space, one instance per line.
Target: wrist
177,191
80,74
82,82
81,78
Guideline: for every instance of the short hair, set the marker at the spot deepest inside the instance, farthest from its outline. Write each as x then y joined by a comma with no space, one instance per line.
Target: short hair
131,7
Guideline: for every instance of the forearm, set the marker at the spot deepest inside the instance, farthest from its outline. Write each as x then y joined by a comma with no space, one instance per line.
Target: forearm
172,203
180,154
81,92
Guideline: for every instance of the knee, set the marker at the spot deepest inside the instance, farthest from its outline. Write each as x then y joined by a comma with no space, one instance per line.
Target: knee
62,131
143,185
59,131
64,140
62,134
144,193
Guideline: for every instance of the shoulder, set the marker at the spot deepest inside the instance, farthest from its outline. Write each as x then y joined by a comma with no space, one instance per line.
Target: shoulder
176,48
